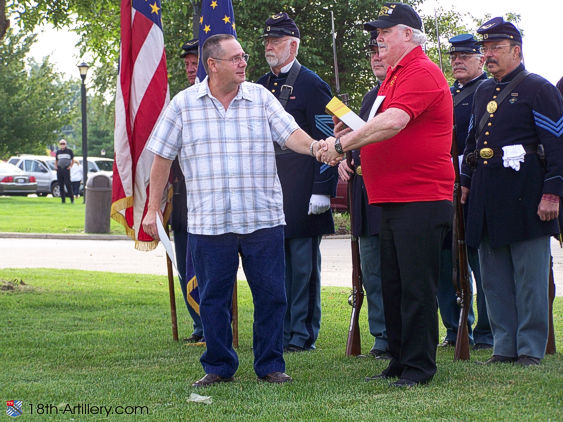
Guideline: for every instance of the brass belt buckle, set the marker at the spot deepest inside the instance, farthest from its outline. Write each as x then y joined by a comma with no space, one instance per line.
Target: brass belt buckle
359,170
486,153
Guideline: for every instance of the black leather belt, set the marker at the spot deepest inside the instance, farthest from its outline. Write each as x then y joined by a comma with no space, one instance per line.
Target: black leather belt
488,153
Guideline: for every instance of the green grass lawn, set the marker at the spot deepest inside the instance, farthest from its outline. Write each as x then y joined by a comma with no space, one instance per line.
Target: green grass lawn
45,215
104,339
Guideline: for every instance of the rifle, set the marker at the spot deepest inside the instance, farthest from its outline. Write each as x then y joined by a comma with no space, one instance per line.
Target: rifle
356,298
460,266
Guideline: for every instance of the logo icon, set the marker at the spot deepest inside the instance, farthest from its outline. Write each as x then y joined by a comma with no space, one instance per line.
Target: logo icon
15,408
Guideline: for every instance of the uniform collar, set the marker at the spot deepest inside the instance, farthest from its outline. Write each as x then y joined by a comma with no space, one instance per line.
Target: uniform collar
457,85
511,75
284,70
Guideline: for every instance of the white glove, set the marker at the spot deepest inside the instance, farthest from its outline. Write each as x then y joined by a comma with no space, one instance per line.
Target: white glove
513,155
319,204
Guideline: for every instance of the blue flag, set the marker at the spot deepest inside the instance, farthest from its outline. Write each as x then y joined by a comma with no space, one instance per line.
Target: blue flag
217,17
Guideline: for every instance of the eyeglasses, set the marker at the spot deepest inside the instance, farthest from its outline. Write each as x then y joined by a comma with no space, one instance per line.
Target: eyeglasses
236,60
462,56
494,49
62,143
274,41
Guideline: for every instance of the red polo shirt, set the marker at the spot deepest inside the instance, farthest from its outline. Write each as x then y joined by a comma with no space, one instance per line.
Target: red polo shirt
414,165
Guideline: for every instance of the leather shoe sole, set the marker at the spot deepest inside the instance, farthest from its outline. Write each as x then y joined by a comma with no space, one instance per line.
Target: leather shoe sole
276,378
210,379
381,376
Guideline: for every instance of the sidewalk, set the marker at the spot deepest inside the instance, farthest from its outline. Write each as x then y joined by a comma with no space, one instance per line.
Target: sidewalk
115,253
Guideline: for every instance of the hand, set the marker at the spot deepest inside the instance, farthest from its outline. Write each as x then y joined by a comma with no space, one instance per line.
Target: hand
548,209
340,128
149,223
464,194
344,171
319,204
328,154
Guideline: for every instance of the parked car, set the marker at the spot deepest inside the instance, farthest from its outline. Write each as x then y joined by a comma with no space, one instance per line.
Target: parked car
340,201
95,165
38,166
14,181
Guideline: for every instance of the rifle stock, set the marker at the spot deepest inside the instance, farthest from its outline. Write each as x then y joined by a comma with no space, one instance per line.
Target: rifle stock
353,344
460,267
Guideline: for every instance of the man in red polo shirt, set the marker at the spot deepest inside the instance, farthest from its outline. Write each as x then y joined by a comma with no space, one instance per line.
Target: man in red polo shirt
406,163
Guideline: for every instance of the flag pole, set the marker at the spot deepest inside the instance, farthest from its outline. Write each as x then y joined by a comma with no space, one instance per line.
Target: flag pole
173,314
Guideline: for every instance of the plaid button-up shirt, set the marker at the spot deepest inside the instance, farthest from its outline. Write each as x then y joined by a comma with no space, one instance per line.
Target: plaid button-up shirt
227,157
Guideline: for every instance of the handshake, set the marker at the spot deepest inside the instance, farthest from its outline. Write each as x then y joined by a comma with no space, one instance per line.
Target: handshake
329,150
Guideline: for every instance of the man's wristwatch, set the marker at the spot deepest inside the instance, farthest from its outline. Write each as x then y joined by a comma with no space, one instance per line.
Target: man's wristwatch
338,146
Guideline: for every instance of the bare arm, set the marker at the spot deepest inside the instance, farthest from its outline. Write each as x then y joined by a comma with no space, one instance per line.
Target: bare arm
300,142
159,176
381,127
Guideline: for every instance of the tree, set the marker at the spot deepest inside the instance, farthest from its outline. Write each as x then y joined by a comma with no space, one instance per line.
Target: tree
36,102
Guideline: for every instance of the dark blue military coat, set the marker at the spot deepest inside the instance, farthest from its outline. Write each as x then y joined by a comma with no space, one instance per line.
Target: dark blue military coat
462,112
366,218
301,175
502,200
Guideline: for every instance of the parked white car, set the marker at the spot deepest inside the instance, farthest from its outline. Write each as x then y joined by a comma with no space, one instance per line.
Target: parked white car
39,167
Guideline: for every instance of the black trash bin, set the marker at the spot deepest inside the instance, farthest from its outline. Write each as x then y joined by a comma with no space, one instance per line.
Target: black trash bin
98,204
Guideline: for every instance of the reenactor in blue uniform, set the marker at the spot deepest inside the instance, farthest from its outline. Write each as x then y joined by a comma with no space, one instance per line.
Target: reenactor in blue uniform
467,65
307,184
515,149
179,217
366,218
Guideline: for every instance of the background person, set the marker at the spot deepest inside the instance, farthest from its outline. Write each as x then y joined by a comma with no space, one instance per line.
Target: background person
179,217
467,66
63,163
76,177
367,218
306,185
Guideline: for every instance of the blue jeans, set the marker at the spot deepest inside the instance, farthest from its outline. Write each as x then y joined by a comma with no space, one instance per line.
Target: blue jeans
180,246
370,259
216,263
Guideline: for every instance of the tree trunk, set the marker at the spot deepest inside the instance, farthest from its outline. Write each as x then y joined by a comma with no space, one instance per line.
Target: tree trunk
4,22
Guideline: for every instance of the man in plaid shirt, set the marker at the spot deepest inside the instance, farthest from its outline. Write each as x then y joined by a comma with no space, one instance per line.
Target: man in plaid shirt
223,131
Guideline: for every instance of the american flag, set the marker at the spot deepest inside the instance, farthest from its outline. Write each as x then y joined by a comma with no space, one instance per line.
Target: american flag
142,95
217,17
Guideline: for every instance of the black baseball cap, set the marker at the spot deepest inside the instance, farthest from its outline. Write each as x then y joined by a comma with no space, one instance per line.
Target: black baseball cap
189,47
392,14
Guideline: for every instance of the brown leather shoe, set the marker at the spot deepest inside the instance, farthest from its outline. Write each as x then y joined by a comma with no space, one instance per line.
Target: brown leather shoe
210,379
499,359
528,360
276,378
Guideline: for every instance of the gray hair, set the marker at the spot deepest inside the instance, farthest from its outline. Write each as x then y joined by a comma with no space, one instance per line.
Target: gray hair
212,47
298,41
418,37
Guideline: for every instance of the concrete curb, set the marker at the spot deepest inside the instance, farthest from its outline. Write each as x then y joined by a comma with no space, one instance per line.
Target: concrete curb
94,236
85,236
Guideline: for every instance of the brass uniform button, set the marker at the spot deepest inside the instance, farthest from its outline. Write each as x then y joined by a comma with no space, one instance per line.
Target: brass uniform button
275,84
485,162
485,143
273,90
498,89
359,170
487,133
491,115
489,124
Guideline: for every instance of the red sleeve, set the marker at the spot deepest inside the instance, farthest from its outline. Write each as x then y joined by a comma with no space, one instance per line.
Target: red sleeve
414,91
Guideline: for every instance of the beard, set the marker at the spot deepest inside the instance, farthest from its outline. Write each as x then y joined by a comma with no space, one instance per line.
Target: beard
276,61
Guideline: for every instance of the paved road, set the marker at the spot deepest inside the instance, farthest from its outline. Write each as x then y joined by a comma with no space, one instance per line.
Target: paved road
78,252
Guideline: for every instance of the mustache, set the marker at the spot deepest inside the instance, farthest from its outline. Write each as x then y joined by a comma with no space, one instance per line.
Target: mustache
491,61
459,68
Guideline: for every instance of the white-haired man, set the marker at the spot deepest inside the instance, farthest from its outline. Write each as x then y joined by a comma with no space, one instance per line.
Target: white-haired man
306,184
407,169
